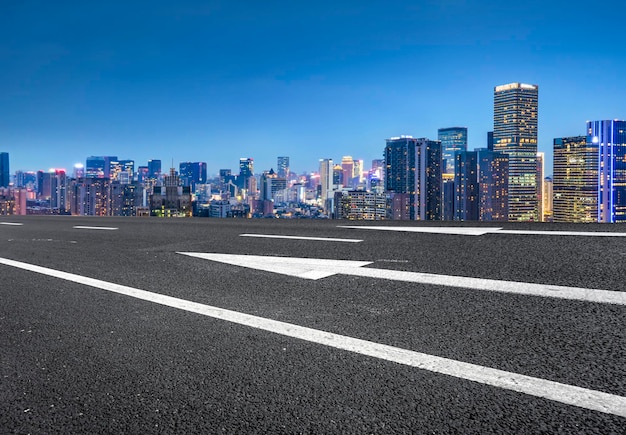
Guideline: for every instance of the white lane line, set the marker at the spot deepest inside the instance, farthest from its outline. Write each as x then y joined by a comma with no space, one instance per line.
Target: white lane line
317,268
551,390
81,227
11,223
562,233
323,239
463,231
478,231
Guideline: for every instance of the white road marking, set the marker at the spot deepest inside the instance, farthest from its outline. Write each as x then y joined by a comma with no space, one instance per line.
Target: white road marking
11,223
316,268
477,231
323,239
81,227
463,231
551,390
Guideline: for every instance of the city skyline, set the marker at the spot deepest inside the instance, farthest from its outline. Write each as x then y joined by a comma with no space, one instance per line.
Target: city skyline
217,82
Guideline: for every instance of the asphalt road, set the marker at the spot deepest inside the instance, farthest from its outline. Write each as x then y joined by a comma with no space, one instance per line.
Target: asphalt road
75,358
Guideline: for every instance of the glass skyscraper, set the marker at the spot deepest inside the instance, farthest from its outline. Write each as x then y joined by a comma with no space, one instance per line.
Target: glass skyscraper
453,140
575,180
610,138
413,171
515,133
283,166
4,169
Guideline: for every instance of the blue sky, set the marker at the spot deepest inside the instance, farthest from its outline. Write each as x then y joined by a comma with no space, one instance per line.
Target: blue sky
218,80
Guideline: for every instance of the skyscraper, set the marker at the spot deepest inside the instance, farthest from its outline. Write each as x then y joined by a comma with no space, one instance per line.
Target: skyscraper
575,180
493,185
4,169
154,168
466,186
282,166
413,173
99,166
326,178
515,133
347,167
610,138
453,139
192,173
246,172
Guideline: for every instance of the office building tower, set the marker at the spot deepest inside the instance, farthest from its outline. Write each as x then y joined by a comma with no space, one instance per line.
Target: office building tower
26,179
142,173
4,170
575,180
347,169
610,137
192,173
122,171
99,166
154,169
453,139
338,175
79,170
490,140
448,194
493,185
466,186
360,205
326,179
515,133
246,173
547,199
413,174
283,167
540,187
89,196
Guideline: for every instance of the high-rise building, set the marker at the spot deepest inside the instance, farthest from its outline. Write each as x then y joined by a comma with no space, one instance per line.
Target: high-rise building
4,170
540,185
326,178
575,180
347,168
493,185
413,171
99,166
610,137
246,173
515,133
282,166
466,186
547,199
192,173
154,168
453,140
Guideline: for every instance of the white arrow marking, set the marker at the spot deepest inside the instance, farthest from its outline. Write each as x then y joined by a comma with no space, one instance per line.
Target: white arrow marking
477,231
322,239
81,227
316,268
551,390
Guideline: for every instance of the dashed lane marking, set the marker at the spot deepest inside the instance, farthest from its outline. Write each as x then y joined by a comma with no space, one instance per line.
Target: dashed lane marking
322,239
16,224
551,390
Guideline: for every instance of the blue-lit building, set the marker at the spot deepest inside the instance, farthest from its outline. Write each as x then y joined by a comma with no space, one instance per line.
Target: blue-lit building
413,174
493,185
192,173
4,170
453,140
282,167
154,168
610,138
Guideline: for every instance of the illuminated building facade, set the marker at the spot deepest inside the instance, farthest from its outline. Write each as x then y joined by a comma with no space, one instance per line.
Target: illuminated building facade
360,205
515,133
453,140
413,167
466,186
610,138
282,167
192,173
326,178
493,185
575,180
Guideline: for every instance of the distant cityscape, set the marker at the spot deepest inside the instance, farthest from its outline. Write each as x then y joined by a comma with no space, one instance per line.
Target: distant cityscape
416,179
